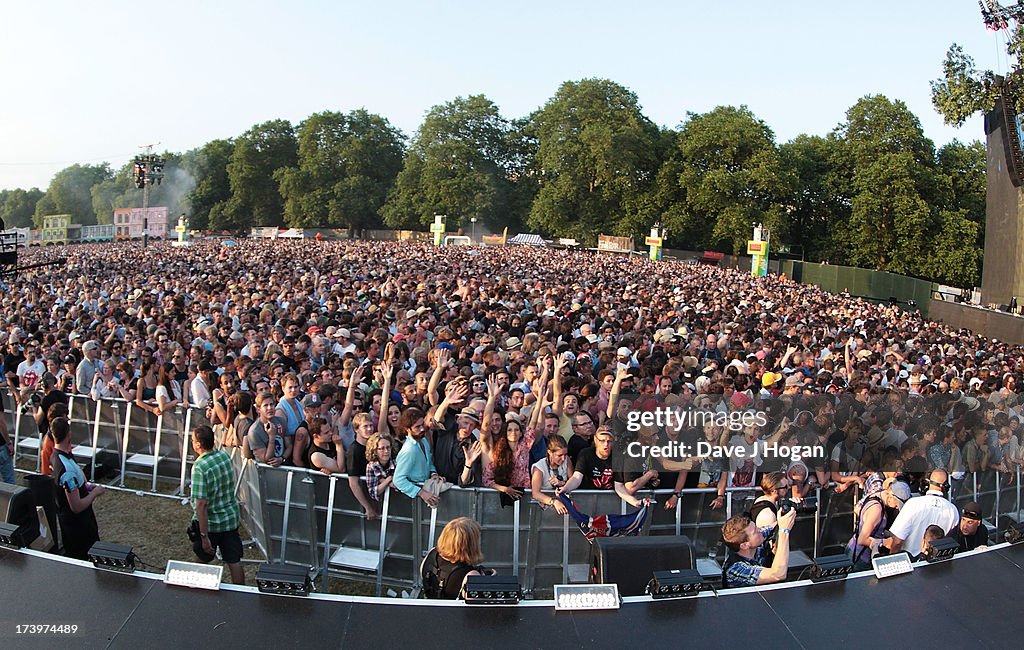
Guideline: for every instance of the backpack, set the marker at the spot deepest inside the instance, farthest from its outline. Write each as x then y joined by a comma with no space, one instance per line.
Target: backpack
435,577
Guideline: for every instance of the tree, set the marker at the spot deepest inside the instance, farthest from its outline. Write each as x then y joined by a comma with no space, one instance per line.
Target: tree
114,192
70,192
731,173
17,206
596,157
963,90
460,164
817,213
346,165
255,197
954,256
893,185
208,166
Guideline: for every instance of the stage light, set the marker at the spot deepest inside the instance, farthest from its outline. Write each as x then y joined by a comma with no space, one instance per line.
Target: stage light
584,597
493,590
886,566
193,575
284,579
115,557
1014,533
940,550
12,536
677,583
831,567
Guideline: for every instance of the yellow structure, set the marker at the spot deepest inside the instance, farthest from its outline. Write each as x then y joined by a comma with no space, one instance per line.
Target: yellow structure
55,229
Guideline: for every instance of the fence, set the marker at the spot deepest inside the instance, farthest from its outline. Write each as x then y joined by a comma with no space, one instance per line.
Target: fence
306,517
878,285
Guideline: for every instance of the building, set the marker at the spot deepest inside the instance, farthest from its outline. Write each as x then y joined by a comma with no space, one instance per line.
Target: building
55,228
128,223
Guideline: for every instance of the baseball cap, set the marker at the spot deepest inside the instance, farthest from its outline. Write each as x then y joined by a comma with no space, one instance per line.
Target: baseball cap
624,352
900,490
311,400
768,379
972,510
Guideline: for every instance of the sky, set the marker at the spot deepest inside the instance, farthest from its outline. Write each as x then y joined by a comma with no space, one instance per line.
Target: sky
93,82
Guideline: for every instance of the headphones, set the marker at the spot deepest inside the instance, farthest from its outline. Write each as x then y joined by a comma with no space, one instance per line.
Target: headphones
941,486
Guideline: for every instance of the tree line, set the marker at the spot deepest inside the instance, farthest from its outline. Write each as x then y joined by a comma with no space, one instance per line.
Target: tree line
874,192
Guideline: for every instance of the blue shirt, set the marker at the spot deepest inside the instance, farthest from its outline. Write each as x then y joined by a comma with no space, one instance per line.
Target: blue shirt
413,466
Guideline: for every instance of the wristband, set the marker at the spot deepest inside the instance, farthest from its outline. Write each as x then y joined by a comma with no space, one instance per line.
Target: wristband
678,495
787,530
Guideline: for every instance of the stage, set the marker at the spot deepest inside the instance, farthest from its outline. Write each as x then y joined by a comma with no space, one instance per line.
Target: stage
968,601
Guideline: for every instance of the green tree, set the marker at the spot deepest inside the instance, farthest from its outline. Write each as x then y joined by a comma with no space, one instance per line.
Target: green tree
70,192
460,164
893,184
963,90
114,192
17,206
732,174
954,257
346,165
208,166
816,211
596,159
255,196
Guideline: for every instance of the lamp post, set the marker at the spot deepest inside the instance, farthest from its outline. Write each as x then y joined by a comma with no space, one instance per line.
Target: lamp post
472,220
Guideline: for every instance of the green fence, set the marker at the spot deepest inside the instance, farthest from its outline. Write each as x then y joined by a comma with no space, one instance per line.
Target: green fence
876,285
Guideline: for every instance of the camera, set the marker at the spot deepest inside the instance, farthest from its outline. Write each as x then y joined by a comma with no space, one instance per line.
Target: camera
785,505
31,403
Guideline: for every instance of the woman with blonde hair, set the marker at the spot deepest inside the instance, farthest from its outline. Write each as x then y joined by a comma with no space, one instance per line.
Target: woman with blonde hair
456,557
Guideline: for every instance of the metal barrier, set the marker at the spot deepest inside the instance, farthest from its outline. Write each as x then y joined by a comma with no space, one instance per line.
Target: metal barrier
310,518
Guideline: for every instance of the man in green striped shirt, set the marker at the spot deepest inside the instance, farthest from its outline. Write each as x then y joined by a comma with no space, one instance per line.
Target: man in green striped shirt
216,509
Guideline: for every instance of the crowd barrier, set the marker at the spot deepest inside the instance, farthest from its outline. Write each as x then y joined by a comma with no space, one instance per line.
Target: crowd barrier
307,517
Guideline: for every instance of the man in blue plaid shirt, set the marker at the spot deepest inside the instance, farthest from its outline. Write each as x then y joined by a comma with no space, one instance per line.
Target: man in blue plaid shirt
748,546
216,508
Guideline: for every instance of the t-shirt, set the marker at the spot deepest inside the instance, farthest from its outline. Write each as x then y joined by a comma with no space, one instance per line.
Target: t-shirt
49,399
597,472
917,514
29,373
259,437
578,443
355,459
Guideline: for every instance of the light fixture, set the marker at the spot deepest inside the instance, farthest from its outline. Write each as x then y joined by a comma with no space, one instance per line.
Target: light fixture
284,579
677,583
831,567
493,590
940,550
193,575
887,566
114,557
12,536
584,597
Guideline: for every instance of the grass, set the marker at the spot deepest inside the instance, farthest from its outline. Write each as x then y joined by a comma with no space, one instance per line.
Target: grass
155,528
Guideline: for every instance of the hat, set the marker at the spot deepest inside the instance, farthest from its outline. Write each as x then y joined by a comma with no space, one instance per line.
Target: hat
70,359
768,379
311,400
470,412
624,352
90,345
901,491
794,380
592,338
971,510
875,436
74,336
342,333
513,342
690,362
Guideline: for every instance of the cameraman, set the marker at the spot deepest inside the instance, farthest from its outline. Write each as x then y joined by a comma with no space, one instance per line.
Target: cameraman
749,545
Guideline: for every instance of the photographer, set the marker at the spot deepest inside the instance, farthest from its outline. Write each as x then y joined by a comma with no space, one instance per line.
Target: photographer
749,545
765,510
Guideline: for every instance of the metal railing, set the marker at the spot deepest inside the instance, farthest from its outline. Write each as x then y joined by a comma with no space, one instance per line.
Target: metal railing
310,518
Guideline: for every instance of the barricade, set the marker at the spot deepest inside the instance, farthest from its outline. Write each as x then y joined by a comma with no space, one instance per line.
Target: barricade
309,518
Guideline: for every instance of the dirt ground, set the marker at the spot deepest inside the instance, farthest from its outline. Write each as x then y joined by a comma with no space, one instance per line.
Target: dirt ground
155,528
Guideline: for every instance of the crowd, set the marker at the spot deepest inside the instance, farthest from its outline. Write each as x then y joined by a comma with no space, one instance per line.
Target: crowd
413,368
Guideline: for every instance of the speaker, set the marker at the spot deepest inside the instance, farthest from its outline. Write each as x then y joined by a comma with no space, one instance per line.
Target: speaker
17,505
630,562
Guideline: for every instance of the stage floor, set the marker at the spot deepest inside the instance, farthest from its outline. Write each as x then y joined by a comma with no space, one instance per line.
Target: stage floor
969,601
